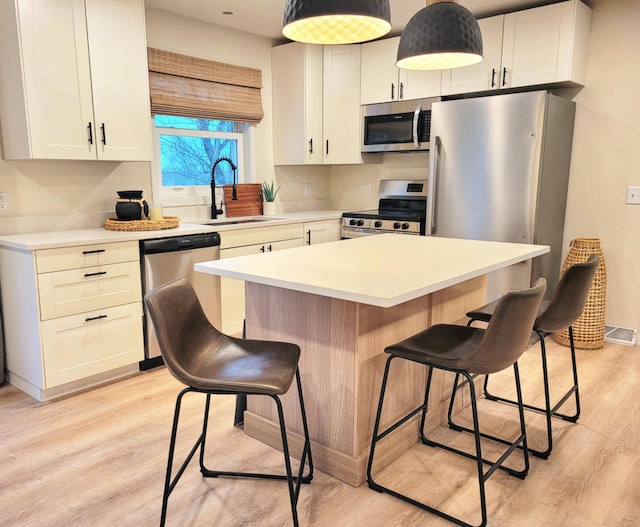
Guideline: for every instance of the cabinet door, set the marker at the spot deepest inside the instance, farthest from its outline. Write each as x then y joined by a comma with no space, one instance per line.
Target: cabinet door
297,104
420,84
341,104
232,290
382,81
322,231
378,72
485,75
120,79
78,346
46,83
537,44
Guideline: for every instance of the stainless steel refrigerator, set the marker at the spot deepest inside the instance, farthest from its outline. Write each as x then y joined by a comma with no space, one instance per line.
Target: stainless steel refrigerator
499,170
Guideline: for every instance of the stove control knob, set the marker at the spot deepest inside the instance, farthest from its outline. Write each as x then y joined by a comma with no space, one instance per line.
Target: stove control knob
378,224
352,222
405,226
396,225
360,223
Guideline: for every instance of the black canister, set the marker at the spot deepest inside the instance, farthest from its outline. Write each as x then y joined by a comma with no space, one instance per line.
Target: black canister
131,205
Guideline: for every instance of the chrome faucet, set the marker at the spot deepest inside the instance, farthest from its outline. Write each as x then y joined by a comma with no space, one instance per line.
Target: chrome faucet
234,194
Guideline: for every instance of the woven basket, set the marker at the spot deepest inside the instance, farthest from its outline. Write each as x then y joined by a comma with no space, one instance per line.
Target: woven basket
588,330
168,222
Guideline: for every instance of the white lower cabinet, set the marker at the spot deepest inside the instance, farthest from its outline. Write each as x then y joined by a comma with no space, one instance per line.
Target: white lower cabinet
242,243
322,231
72,316
79,346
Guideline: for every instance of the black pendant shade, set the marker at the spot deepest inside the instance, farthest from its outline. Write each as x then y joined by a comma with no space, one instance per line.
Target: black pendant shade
336,21
440,36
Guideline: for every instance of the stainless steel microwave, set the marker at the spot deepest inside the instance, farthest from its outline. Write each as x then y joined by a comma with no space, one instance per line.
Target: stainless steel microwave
397,126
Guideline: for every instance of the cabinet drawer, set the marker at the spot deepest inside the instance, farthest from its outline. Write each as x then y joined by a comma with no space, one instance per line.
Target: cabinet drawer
79,346
61,258
260,235
74,291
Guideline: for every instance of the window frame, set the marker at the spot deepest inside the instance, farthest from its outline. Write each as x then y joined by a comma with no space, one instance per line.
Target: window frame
194,195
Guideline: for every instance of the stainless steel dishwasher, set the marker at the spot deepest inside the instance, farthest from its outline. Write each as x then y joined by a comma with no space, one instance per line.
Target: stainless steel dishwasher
165,259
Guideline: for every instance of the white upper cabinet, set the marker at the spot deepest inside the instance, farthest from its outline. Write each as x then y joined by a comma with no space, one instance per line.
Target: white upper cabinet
382,81
486,74
341,105
297,104
74,80
543,45
316,104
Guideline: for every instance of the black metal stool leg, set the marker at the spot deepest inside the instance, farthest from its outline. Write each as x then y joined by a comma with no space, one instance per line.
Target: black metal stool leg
468,380
294,482
575,390
549,411
520,441
376,436
170,484
306,457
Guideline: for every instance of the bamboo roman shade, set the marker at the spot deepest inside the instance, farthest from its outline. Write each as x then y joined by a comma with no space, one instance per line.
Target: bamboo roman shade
194,87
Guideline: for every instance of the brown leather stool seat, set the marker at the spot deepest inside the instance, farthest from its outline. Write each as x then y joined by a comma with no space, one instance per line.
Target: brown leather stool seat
210,362
560,312
467,352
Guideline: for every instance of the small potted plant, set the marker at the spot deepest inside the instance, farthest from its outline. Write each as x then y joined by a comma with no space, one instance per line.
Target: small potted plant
269,192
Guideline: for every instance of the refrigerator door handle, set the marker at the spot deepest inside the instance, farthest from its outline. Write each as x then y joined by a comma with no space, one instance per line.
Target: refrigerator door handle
416,120
432,201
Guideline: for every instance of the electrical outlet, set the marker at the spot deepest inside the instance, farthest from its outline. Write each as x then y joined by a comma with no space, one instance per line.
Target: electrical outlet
633,195
367,190
307,189
3,202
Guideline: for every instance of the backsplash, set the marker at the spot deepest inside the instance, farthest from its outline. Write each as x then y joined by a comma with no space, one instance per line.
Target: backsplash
46,196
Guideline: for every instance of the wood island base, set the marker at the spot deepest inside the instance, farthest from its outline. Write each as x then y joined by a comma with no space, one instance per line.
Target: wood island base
341,366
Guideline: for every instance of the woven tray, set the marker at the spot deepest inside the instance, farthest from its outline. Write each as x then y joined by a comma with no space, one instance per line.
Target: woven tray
168,222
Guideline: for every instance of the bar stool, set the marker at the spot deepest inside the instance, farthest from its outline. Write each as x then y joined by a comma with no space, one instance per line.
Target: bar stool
212,363
564,308
468,352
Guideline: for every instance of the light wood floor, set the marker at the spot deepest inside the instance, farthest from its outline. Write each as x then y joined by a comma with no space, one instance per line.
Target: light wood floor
98,458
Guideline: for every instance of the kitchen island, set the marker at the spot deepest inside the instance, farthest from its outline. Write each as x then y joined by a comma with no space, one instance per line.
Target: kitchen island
342,303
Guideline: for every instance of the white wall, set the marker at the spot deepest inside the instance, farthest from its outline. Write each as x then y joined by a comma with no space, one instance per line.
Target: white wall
606,155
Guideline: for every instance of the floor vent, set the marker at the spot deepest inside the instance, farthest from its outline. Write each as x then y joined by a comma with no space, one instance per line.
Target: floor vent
619,335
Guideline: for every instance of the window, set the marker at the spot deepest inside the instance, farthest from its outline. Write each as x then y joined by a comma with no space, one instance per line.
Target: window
186,150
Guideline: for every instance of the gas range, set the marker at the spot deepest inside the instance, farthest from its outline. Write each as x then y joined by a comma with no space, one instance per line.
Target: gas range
402,209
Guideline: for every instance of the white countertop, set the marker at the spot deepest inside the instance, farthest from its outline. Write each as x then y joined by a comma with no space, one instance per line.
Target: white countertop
382,270
48,240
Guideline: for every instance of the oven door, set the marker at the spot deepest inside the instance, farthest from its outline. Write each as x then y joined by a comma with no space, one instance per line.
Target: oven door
357,232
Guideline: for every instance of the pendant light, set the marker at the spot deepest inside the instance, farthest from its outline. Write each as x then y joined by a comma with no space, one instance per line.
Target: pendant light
336,21
441,36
